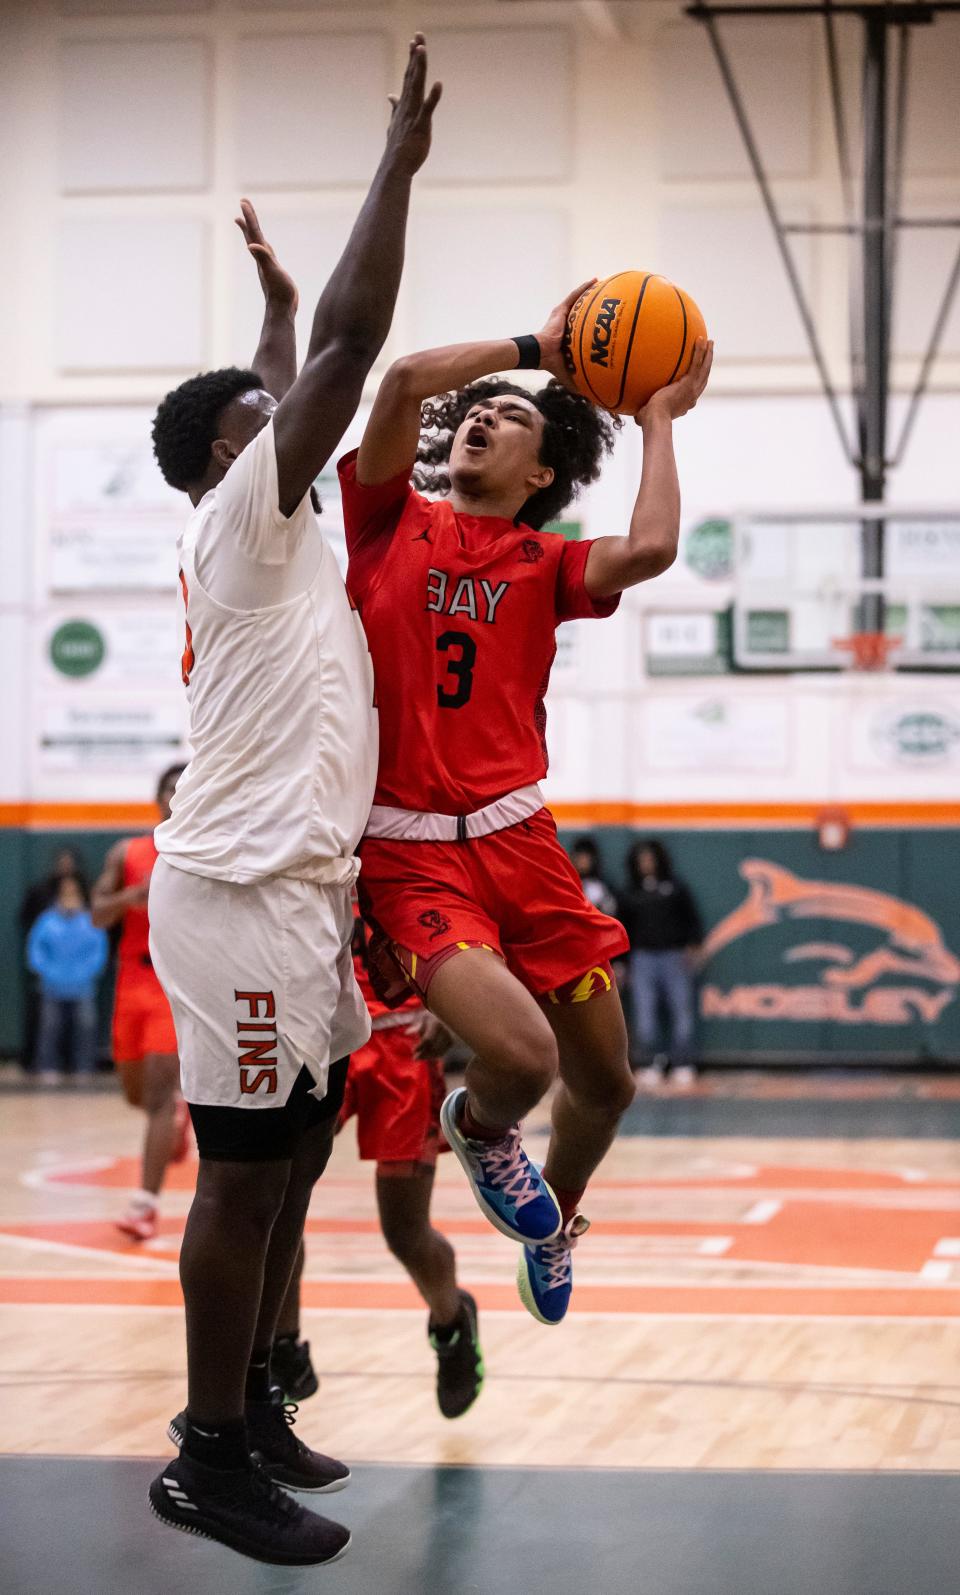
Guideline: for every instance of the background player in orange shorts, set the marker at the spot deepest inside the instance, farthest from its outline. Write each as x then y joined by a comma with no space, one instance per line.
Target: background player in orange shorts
144,1039
460,599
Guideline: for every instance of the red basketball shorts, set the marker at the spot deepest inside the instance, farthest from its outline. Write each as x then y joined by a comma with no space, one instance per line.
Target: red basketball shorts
142,1021
395,1098
514,892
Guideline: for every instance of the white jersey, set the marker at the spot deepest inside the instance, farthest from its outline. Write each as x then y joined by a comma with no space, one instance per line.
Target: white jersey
280,687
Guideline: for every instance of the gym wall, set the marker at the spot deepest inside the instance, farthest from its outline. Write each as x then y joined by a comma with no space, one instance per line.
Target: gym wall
572,140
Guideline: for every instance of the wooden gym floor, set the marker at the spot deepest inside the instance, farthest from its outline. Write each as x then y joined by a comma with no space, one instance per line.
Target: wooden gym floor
757,1389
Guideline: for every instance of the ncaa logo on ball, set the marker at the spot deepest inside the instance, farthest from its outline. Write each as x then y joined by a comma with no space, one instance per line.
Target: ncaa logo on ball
603,331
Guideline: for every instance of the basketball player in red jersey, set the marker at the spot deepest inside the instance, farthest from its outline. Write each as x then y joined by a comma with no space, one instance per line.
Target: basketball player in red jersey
395,1089
474,903
144,1040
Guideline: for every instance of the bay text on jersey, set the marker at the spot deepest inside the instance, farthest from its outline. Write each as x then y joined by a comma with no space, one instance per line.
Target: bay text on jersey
476,598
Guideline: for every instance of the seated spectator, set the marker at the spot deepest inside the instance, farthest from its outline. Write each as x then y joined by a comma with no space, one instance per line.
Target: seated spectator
660,917
586,862
68,955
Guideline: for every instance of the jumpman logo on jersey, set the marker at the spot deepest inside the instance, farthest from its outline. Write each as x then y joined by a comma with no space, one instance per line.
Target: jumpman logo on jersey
423,537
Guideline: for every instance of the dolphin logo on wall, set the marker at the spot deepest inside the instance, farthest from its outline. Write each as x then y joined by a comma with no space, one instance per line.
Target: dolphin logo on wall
912,946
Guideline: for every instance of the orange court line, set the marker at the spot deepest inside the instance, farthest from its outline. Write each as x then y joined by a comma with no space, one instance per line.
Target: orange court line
385,1296
79,816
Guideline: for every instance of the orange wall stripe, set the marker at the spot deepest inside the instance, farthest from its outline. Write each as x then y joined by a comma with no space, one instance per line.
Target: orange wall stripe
77,816
121,816
747,815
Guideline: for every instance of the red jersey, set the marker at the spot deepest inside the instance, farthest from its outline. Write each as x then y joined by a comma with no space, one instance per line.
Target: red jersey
133,950
460,613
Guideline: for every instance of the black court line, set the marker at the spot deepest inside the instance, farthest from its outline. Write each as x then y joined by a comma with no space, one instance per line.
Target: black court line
897,1118
82,1527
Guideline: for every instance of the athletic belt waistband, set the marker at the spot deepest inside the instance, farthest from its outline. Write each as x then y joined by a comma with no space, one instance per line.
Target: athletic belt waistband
413,825
393,1021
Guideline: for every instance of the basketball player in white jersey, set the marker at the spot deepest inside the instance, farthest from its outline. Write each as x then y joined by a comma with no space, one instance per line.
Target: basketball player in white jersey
250,907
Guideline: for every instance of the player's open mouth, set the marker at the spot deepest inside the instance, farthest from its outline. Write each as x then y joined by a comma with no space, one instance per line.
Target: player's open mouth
476,438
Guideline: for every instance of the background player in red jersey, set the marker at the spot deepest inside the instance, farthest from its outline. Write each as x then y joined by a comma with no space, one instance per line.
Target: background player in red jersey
460,600
144,1040
395,1089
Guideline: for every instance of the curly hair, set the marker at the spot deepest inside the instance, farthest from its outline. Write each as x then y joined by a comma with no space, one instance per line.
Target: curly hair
185,425
576,436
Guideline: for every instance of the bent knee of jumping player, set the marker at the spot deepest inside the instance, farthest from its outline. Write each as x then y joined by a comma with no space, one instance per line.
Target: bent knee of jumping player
513,1072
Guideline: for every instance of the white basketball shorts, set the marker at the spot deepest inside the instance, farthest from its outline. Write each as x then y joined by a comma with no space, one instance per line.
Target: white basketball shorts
260,980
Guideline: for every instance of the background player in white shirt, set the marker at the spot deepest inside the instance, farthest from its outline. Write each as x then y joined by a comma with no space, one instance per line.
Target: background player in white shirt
250,908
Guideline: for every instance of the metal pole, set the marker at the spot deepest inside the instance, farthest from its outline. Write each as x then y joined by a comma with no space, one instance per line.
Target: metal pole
872,417
932,350
766,194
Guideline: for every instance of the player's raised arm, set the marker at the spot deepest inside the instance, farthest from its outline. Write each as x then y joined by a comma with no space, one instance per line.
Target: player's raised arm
650,546
275,361
354,311
390,441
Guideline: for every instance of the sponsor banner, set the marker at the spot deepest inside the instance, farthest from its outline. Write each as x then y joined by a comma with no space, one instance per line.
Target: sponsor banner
124,737
716,733
106,555
686,642
113,648
905,736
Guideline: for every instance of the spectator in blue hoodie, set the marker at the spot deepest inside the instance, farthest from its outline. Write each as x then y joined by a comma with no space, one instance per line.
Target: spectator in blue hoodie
68,955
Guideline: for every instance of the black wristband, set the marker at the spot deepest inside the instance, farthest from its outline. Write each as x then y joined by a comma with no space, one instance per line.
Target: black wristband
529,348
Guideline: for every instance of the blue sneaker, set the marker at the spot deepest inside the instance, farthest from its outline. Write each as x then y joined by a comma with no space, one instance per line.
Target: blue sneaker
509,1188
545,1273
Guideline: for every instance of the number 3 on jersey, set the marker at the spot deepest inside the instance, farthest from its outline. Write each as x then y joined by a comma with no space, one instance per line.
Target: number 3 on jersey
460,667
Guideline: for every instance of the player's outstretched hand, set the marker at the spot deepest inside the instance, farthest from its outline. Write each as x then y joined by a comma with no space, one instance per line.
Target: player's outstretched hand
278,286
679,397
408,137
551,335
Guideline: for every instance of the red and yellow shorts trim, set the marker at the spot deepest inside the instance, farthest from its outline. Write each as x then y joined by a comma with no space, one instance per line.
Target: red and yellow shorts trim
514,893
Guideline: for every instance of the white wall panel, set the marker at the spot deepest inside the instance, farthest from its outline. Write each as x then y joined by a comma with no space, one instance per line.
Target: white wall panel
133,114
727,259
310,108
508,111
484,273
130,294
309,247
773,65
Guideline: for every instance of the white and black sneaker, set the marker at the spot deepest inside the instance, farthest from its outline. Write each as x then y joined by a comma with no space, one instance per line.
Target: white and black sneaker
243,1509
272,1441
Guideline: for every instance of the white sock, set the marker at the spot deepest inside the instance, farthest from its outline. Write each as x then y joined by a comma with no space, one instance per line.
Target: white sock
144,1199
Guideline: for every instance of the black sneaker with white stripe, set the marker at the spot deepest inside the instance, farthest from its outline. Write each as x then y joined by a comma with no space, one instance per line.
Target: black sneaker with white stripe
292,1368
243,1509
272,1441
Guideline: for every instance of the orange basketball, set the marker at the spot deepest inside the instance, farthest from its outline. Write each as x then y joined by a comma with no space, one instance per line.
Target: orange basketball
628,336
